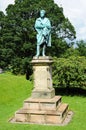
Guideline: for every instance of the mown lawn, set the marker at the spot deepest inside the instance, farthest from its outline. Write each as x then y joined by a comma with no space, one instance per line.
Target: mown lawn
15,89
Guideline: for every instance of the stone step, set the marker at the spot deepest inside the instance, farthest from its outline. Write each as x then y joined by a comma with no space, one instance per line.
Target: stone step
42,104
26,111
40,116
57,117
63,108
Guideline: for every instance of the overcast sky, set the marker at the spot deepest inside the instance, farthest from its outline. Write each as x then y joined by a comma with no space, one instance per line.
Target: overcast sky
75,10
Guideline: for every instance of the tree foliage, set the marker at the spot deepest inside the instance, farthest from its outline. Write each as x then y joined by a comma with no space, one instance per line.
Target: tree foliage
81,47
18,36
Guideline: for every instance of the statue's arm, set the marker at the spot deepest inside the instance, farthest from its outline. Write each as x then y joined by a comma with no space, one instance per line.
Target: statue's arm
38,24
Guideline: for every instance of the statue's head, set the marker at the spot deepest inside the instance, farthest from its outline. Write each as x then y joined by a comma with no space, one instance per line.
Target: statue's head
42,13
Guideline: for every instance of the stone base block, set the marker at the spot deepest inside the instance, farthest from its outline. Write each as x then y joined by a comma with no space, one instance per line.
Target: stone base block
44,94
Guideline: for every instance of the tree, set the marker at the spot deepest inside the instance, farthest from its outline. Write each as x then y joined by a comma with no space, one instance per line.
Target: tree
5,53
19,35
81,47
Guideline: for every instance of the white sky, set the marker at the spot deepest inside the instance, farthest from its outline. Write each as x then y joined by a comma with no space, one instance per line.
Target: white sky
4,3
75,10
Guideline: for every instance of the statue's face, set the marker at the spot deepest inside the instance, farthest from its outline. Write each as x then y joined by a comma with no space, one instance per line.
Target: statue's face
42,14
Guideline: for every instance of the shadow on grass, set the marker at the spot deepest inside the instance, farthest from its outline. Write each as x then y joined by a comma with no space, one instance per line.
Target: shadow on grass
70,91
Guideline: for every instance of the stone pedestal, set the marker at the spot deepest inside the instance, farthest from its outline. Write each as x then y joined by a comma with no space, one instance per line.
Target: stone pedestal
42,71
43,107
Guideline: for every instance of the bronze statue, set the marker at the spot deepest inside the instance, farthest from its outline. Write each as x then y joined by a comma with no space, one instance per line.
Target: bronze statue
43,28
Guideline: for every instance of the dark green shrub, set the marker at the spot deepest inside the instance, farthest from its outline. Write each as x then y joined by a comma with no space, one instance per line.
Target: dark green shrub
69,72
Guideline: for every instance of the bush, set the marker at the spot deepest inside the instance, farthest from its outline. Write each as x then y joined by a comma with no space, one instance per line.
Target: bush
21,66
69,72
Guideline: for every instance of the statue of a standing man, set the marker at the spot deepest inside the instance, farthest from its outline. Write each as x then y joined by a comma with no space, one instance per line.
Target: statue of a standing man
43,28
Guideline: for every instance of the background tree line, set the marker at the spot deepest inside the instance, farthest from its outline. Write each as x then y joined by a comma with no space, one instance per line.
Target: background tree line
18,36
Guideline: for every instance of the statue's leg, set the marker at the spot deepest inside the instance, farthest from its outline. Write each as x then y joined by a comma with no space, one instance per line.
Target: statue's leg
38,50
43,51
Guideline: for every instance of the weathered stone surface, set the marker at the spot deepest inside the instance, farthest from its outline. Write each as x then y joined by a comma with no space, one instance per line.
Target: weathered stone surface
47,116
42,104
42,71
44,111
46,94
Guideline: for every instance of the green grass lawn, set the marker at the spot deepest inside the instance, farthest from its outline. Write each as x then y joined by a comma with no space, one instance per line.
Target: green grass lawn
15,89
